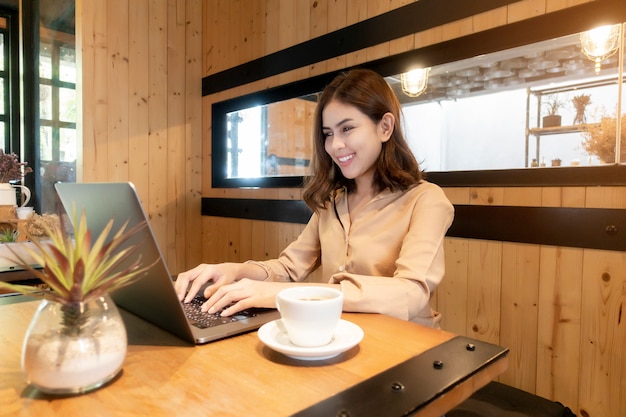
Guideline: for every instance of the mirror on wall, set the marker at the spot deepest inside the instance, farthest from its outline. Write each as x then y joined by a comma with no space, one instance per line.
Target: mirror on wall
548,104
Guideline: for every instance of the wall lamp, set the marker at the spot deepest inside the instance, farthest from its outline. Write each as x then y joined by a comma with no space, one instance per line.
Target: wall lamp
414,82
600,43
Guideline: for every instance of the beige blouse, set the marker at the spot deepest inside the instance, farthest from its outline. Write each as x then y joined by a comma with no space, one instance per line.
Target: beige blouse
388,259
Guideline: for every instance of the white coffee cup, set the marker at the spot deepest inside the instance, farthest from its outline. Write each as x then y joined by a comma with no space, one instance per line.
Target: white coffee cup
310,314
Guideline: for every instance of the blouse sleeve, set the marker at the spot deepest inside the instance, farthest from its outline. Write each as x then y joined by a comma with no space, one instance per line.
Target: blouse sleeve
419,267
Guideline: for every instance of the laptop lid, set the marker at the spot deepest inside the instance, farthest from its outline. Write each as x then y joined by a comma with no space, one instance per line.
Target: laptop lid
153,297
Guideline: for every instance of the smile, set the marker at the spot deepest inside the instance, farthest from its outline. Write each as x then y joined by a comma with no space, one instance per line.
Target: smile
345,158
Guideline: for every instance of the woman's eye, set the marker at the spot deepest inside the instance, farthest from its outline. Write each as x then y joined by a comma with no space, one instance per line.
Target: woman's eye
346,128
327,134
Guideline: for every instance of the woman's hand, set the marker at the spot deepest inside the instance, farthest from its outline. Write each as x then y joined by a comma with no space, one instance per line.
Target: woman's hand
219,274
243,294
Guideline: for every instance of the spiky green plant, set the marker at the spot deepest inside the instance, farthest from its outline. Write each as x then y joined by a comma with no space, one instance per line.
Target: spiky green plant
8,235
77,270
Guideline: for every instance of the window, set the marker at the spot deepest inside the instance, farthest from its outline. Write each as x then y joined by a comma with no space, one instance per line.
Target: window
489,112
57,115
482,117
9,117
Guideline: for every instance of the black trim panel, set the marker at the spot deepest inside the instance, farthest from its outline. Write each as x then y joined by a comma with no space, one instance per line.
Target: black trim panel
411,385
287,211
556,226
605,175
571,227
405,20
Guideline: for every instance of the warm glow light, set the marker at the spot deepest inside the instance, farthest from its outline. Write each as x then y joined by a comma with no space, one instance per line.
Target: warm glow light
600,43
415,81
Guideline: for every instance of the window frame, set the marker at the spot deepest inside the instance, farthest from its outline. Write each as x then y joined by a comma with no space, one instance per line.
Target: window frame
11,116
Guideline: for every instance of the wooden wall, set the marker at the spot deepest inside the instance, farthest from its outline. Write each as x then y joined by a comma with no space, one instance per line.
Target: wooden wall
141,75
559,310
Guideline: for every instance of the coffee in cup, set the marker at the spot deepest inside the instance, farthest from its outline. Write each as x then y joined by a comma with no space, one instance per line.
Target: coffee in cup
310,314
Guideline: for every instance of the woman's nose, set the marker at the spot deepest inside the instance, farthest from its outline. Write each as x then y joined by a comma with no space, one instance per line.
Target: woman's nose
337,143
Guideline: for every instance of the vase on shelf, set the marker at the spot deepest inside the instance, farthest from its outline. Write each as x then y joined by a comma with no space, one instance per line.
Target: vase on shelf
74,348
8,196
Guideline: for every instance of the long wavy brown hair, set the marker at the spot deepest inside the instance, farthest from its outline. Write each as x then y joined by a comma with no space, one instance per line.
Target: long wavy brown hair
396,169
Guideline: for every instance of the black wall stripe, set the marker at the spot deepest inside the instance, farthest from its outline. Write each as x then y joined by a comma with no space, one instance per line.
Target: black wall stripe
557,226
570,227
288,211
394,24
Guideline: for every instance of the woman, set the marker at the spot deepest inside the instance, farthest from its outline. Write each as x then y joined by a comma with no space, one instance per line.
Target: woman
377,228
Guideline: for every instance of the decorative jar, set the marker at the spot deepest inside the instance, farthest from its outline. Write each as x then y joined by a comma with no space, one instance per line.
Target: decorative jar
74,348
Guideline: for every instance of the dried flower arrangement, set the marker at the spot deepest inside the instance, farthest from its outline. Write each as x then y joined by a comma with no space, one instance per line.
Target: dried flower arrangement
38,226
599,139
11,169
580,103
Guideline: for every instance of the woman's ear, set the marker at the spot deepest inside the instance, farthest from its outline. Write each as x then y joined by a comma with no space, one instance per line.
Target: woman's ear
386,125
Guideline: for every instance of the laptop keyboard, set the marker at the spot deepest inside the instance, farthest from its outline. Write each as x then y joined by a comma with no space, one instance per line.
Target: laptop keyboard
205,320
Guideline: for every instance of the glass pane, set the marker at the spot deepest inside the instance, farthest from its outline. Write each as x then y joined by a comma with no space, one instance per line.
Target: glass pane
67,145
45,143
45,60
495,111
270,140
45,102
67,105
2,58
2,83
67,72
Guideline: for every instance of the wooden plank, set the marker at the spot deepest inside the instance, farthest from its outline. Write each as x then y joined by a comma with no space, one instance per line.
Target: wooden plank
220,35
606,197
518,312
489,20
563,197
558,337
522,196
487,196
452,297
602,386
337,13
138,67
356,12
176,121
483,290
193,134
554,5
525,9
318,25
117,78
458,195
94,91
158,129
375,8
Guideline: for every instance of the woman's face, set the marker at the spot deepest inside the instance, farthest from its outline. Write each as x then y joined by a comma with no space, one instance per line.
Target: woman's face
353,140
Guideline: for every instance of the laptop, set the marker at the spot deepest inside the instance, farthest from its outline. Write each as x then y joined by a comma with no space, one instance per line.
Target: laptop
153,297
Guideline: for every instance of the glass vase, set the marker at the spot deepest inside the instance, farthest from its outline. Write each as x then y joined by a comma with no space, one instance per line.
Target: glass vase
74,348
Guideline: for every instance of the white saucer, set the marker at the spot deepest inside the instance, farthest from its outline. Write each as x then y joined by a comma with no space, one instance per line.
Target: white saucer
347,336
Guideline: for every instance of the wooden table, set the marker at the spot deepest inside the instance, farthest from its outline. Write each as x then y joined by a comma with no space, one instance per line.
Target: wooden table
239,376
